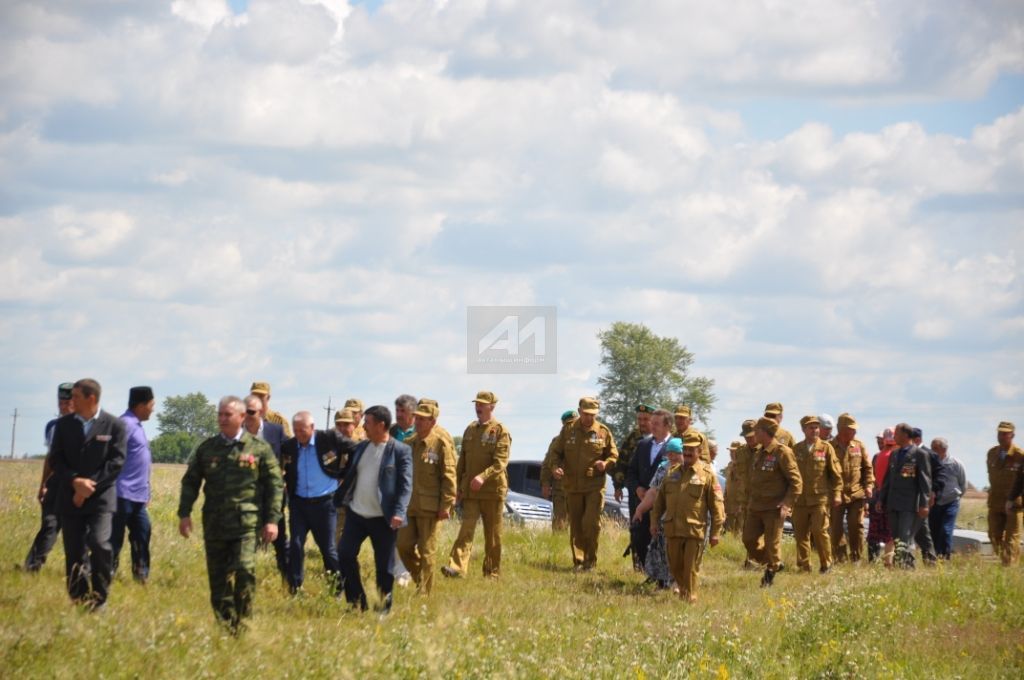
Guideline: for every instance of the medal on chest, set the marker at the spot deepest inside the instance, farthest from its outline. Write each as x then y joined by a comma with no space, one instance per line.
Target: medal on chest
768,465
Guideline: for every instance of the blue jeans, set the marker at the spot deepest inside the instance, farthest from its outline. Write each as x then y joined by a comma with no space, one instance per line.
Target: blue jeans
942,519
382,538
132,515
319,517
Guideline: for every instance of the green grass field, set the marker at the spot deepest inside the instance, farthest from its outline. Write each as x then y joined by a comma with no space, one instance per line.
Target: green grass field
963,619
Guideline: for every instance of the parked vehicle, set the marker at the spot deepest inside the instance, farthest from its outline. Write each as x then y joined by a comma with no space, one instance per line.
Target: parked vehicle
524,478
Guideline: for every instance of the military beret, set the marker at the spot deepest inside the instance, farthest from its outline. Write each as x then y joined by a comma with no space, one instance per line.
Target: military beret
747,428
354,404
568,415
683,410
139,395
261,388
674,445
645,408
1006,426
589,405
64,390
344,415
809,420
768,425
773,409
846,420
485,398
827,421
427,411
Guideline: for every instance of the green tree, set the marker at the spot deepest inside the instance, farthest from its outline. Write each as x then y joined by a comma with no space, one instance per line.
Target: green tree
641,367
173,447
183,422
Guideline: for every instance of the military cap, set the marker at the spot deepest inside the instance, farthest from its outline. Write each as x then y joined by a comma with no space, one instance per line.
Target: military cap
683,410
736,443
568,415
1006,426
344,415
485,398
674,445
645,408
691,438
747,428
827,421
589,405
809,420
427,411
139,395
64,391
768,425
261,388
354,404
426,400
773,409
916,433
846,420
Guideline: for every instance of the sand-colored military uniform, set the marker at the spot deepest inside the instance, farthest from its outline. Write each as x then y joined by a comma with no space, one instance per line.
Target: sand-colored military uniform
785,437
433,492
559,504
858,477
735,496
243,487
743,466
705,450
485,452
576,451
1004,527
774,480
277,417
822,482
685,498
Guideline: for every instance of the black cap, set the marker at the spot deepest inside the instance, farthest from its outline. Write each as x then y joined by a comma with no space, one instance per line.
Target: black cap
64,391
915,432
139,395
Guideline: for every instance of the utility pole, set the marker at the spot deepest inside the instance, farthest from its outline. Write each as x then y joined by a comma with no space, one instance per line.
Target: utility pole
14,428
327,422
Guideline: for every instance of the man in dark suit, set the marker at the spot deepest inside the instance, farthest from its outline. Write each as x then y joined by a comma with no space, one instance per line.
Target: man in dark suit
314,461
642,464
905,493
273,434
87,453
376,491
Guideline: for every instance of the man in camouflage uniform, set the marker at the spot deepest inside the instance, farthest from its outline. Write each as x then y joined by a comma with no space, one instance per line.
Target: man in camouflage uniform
684,426
1005,463
243,490
858,486
583,455
774,412
638,433
482,485
345,423
687,496
552,488
262,390
822,480
433,496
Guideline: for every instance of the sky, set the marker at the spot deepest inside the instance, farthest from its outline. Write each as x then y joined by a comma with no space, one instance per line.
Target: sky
822,200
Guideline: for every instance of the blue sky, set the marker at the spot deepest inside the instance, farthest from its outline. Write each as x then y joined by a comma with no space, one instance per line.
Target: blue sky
820,199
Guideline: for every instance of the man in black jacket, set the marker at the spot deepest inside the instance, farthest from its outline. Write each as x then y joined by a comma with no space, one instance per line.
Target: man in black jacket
937,472
87,453
641,468
273,434
314,461
905,493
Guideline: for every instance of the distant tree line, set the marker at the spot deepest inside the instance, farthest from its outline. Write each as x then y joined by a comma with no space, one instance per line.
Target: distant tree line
183,422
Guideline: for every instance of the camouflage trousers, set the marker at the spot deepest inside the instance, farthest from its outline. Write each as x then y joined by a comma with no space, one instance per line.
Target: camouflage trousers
231,566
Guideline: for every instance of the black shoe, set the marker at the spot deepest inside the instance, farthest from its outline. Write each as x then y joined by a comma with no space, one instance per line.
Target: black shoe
384,606
768,578
824,569
781,567
449,572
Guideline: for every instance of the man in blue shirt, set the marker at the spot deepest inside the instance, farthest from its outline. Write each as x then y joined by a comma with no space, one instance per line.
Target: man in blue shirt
133,485
50,526
314,461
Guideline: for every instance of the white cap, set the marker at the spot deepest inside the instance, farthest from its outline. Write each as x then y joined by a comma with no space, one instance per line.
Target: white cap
826,421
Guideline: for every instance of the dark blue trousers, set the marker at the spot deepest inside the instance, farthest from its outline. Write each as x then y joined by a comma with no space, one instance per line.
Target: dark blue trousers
942,519
48,530
132,515
319,517
382,538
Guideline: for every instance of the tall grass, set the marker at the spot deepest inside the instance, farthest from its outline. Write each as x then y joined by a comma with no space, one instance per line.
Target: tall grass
962,619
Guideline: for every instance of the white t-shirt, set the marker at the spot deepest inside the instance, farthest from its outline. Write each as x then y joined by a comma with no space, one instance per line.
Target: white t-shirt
366,497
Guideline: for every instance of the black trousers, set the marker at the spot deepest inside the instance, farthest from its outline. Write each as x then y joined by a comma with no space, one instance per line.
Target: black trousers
319,517
382,538
133,517
46,538
87,555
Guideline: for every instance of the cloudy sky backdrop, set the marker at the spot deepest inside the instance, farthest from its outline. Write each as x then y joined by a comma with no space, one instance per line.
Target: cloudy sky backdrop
823,200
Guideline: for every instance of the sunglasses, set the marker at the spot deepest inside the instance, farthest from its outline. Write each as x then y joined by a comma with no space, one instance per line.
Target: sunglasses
251,411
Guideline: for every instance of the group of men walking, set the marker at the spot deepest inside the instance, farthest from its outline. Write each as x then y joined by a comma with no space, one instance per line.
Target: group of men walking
394,481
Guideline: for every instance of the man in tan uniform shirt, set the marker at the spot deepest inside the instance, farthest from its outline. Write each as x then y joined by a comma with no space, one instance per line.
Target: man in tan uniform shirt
583,455
1005,463
482,484
684,426
774,485
356,407
822,481
552,488
774,411
858,486
433,496
687,495
262,390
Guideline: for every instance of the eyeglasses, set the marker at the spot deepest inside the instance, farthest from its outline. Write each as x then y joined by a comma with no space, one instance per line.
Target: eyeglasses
251,411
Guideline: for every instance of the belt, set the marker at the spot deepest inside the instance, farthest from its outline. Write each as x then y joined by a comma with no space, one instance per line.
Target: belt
317,499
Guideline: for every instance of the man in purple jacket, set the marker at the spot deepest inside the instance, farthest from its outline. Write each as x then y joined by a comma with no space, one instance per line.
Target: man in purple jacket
133,485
